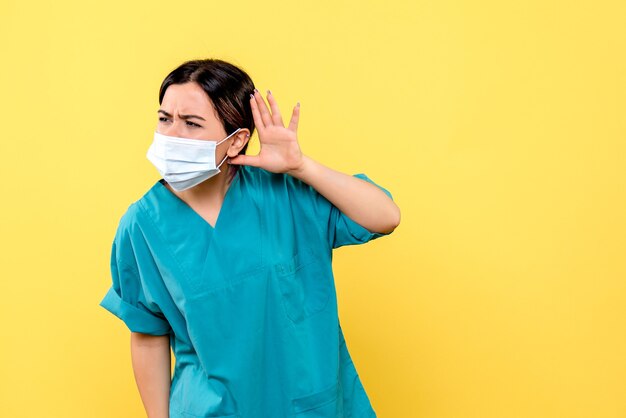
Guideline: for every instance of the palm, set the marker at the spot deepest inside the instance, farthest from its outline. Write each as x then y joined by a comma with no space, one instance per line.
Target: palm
279,150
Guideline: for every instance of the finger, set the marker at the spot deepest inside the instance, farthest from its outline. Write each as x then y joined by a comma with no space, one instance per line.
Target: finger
242,159
263,110
256,115
295,117
276,117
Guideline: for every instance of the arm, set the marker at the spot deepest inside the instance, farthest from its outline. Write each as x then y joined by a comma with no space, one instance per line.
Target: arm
361,201
280,152
152,368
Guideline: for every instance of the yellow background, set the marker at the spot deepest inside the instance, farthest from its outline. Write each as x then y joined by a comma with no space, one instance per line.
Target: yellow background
499,128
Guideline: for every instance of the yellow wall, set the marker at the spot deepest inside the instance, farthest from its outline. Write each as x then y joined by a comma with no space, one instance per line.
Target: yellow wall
499,127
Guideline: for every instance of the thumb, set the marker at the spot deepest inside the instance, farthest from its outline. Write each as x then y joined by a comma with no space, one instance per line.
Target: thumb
241,159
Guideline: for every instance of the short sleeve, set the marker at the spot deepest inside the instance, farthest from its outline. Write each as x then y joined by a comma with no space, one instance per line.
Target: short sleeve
345,231
126,298
337,227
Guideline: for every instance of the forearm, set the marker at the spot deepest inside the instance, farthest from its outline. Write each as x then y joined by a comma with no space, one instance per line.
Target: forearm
361,201
152,368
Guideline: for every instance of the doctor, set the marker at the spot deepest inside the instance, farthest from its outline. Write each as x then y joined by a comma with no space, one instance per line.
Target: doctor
227,259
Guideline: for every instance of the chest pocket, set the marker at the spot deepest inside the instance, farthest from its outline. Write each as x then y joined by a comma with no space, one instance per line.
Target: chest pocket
305,283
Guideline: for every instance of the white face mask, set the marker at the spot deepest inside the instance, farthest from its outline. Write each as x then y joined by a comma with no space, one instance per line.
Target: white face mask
184,162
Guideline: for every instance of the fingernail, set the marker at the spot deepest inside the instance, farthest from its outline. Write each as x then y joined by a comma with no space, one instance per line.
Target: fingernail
269,92
298,104
255,90
251,96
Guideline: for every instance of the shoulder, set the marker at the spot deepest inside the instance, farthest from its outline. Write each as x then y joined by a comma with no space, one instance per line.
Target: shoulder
129,217
275,186
132,222
134,215
264,180
127,226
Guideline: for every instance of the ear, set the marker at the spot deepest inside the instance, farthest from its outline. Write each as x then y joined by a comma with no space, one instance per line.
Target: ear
240,139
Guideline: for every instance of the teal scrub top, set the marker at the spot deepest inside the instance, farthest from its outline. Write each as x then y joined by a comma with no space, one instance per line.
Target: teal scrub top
249,304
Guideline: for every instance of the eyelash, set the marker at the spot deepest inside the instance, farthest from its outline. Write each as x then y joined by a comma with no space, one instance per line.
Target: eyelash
195,125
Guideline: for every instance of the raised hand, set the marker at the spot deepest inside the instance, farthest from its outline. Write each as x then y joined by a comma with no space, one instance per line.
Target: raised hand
279,152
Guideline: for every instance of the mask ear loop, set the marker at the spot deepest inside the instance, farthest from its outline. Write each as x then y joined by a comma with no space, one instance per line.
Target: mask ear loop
238,129
220,164
226,156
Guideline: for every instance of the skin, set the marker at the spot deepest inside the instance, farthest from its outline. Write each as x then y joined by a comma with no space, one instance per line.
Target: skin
151,360
279,152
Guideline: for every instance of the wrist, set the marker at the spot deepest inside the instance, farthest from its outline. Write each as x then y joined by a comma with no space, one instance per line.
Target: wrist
301,171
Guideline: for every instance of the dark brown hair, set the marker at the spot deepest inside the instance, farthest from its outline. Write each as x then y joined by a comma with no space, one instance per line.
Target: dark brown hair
228,88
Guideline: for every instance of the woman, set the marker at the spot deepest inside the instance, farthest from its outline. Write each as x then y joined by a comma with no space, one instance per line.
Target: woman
227,258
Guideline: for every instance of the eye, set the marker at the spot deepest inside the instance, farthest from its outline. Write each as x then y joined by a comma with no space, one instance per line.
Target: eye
162,119
195,125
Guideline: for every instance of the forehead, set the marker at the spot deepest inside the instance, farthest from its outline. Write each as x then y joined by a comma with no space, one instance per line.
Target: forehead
187,98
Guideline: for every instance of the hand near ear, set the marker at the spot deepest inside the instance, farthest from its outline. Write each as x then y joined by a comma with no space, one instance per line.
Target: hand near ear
280,151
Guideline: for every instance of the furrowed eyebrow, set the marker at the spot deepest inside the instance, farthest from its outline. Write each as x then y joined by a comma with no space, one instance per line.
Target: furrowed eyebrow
181,116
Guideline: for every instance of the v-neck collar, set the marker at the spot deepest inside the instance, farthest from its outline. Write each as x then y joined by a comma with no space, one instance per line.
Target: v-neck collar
181,203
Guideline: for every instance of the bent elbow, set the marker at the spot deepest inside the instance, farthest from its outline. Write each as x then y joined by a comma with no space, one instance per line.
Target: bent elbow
394,221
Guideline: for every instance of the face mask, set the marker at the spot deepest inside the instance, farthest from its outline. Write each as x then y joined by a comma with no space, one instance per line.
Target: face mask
184,162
